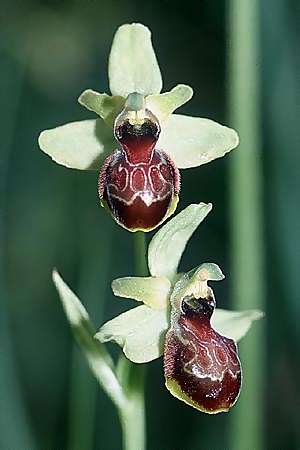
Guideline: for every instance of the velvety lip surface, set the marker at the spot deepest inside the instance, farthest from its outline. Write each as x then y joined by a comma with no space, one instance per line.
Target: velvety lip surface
138,195
201,366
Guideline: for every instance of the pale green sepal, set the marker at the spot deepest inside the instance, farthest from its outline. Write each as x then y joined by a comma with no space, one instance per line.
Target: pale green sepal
234,324
79,145
106,106
168,244
162,105
139,331
193,141
98,359
153,291
132,64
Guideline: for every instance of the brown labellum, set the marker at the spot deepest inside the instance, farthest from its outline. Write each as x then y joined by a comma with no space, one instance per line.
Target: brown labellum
139,183
202,367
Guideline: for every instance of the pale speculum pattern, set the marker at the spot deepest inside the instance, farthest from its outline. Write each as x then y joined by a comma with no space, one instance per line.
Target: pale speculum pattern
138,182
204,364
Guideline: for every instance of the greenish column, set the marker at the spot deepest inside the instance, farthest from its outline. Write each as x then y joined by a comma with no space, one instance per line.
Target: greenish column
246,216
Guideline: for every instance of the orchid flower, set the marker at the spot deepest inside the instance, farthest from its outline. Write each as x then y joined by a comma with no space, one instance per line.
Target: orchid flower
137,142
179,319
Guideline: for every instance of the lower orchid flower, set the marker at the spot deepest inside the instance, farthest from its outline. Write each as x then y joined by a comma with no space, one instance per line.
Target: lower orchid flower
179,320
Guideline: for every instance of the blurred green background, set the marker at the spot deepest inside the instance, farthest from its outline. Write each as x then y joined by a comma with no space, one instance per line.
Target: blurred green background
49,216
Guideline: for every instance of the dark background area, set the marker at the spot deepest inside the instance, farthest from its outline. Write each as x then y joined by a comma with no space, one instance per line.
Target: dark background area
50,217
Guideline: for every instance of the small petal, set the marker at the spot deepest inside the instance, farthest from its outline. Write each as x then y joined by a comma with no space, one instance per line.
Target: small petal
193,141
106,106
168,244
78,145
153,291
139,331
162,105
133,65
234,324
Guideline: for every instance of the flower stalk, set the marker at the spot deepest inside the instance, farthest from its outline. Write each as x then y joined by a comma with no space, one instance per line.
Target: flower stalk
132,376
141,268
132,415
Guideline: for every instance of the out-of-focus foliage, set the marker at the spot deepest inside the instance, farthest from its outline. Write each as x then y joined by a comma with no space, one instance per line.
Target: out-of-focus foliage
49,216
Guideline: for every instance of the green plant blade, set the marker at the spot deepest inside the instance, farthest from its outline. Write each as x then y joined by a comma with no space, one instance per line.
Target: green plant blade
153,291
140,332
78,145
98,359
193,141
106,106
234,324
168,244
132,64
162,105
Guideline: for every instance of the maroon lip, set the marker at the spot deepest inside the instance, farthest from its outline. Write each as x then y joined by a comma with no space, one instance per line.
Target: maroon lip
203,364
138,182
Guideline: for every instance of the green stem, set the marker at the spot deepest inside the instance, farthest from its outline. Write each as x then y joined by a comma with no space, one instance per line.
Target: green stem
246,215
132,415
132,376
141,267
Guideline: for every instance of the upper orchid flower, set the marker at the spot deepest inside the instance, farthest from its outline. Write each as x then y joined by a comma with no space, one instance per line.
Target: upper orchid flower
138,144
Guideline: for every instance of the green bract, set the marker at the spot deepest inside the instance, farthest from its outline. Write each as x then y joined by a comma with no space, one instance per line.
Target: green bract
133,67
98,360
141,331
